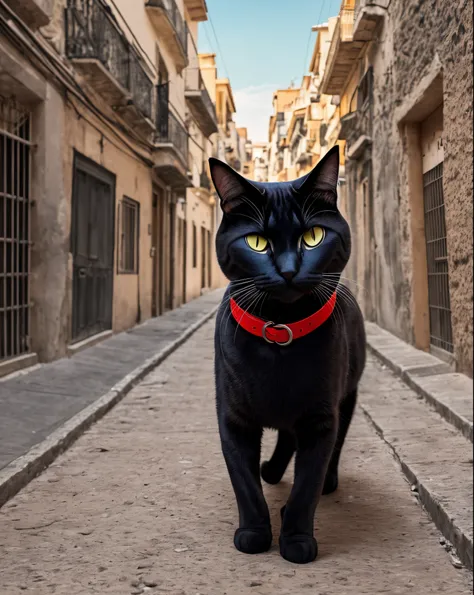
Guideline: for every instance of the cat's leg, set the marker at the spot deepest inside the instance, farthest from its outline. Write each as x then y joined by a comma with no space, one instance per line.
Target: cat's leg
274,469
346,411
315,443
241,448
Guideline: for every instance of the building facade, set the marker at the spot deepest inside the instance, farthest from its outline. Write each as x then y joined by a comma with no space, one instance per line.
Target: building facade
107,215
406,118
394,90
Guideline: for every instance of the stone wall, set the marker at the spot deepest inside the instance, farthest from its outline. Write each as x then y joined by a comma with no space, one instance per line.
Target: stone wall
418,38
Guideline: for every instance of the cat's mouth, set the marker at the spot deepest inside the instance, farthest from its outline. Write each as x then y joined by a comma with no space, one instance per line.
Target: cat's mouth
290,294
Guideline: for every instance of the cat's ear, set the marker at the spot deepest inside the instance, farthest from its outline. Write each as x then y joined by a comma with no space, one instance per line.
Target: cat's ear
233,189
322,179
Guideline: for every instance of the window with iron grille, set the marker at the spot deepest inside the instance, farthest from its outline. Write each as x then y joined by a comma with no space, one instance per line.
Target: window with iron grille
15,148
129,226
437,260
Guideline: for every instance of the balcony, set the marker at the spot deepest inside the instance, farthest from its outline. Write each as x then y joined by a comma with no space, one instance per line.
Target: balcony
367,17
171,144
100,52
342,55
199,102
204,181
34,13
197,10
356,126
171,28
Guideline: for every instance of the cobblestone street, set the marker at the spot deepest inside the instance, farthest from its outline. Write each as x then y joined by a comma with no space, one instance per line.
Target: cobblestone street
142,503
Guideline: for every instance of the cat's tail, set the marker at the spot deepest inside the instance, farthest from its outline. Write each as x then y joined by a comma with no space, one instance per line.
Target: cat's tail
273,470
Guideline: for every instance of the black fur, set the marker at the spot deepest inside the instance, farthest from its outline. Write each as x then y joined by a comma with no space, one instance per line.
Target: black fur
306,390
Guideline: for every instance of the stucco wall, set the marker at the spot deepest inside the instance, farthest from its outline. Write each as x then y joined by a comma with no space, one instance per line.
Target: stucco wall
200,213
132,293
415,37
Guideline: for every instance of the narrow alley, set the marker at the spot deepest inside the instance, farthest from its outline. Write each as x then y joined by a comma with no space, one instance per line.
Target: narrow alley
142,503
318,155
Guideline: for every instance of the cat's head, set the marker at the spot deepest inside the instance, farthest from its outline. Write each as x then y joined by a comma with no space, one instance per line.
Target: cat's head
285,235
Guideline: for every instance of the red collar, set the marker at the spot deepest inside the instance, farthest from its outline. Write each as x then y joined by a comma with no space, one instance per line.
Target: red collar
282,334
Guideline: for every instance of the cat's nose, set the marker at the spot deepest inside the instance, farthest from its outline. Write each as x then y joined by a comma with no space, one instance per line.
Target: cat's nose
288,275
287,265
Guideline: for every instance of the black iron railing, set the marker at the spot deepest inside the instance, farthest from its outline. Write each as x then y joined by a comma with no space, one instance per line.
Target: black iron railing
141,87
194,82
91,33
176,19
168,127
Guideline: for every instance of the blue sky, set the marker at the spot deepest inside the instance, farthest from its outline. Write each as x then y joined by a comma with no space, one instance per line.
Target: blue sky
262,45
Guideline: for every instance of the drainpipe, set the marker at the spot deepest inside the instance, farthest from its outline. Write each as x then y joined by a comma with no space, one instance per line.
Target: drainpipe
172,248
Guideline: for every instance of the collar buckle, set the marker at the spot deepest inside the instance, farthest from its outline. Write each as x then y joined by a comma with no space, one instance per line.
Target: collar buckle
277,326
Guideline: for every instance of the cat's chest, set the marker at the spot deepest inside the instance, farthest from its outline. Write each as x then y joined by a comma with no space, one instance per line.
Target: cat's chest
280,384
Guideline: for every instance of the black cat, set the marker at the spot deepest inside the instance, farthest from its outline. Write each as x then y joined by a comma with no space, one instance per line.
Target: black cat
289,353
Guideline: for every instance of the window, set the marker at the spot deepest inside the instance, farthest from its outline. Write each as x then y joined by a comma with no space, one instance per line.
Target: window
441,333
129,222
15,214
194,246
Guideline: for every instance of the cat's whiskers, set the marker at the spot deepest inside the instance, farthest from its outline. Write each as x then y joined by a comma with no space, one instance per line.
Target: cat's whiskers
342,290
248,281
347,279
323,291
259,223
259,213
244,298
253,302
247,294
312,210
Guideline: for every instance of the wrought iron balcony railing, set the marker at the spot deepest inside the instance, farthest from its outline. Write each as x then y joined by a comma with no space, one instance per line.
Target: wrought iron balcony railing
141,87
92,36
168,127
200,101
175,18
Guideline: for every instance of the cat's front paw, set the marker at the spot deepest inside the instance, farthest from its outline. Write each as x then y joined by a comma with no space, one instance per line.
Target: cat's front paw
253,541
299,549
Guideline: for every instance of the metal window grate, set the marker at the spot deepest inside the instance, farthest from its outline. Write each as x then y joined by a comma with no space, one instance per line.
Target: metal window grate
437,260
130,214
15,146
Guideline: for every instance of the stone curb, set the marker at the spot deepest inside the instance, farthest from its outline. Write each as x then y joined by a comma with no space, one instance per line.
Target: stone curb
22,470
410,375
443,521
448,413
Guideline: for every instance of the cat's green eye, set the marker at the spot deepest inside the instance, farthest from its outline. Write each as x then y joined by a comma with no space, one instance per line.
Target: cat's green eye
313,237
257,242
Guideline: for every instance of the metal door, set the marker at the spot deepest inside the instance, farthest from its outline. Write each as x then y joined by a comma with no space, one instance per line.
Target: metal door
92,238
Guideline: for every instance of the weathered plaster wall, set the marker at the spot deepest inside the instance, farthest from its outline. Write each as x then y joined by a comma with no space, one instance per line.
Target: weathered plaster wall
132,293
49,232
417,34
199,212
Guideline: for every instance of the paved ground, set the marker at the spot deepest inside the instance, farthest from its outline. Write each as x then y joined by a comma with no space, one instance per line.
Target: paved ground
34,405
142,503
